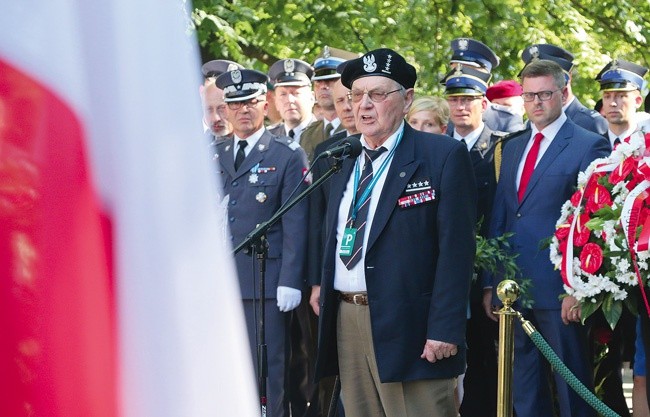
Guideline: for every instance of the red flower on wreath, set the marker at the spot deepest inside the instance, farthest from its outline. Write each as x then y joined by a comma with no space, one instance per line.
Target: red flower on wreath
621,172
591,258
598,199
581,233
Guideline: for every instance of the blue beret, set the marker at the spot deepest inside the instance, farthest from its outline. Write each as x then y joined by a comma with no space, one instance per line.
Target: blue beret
474,53
291,72
621,75
217,67
466,81
327,62
380,62
242,85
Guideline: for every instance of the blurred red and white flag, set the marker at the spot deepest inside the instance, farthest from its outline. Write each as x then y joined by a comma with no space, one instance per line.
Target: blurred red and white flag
118,295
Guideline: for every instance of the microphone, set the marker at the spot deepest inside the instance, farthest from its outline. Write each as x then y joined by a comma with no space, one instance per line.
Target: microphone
350,147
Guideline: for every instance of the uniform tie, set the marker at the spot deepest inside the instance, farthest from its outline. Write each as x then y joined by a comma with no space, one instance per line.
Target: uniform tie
617,142
362,214
529,165
291,133
328,130
241,155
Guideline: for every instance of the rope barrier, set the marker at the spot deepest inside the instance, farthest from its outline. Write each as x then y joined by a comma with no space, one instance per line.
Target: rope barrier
562,369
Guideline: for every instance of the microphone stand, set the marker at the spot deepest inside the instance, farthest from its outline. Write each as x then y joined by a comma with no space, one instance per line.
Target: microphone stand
257,243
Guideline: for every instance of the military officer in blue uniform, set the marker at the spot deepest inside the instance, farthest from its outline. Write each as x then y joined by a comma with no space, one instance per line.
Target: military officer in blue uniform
475,54
259,171
573,108
465,89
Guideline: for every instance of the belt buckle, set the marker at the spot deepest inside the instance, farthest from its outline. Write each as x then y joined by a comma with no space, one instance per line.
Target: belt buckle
358,299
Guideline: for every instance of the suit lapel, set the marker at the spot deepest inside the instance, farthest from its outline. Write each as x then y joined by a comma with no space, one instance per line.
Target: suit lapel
401,170
559,143
519,146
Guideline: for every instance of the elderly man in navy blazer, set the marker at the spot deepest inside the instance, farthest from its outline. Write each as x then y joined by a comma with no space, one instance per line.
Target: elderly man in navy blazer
398,255
539,171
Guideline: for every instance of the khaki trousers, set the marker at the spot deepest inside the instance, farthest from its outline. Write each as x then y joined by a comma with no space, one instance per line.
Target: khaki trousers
363,394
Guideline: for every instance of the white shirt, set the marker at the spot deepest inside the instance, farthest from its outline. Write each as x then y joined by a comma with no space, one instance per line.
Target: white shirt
354,280
252,141
470,139
612,136
297,131
334,122
549,133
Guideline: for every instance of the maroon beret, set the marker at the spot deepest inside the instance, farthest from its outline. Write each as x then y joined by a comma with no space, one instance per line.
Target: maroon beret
502,89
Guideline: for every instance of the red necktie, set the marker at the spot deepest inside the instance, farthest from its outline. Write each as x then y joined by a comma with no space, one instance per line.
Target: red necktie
529,165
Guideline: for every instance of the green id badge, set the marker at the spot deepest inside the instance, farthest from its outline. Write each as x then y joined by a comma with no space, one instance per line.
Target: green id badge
347,243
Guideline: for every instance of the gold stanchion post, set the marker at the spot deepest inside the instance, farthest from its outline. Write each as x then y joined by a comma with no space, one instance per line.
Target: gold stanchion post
508,293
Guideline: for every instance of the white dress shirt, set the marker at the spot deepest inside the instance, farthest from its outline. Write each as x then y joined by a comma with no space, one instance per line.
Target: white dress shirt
354,280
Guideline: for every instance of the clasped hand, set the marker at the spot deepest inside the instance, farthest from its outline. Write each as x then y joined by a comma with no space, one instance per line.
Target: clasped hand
435,350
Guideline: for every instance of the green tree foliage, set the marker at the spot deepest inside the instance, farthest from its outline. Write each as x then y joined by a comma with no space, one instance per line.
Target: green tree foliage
257,33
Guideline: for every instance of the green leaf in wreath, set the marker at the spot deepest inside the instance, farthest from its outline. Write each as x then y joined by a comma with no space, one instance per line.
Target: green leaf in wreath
612,310
607,213
588,308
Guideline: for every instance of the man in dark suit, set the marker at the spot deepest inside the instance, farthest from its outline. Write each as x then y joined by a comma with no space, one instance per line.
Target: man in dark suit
259,172
538,174
573,108
465,90
398,257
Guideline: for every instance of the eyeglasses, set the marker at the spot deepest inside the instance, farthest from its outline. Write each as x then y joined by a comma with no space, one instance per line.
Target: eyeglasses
542,95
374,95
236,105
462,101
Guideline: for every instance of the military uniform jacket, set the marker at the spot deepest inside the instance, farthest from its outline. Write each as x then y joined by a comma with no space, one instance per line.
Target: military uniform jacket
418,262
313,135
482,156
586,118
255,191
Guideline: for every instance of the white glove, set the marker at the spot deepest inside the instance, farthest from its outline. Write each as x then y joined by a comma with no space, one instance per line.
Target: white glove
288,298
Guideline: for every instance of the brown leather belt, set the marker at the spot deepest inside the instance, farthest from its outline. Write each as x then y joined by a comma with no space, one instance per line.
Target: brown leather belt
358,299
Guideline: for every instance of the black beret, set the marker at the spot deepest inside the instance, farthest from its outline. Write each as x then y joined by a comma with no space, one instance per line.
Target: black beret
217,67
291,72
242,85
380,62
473,52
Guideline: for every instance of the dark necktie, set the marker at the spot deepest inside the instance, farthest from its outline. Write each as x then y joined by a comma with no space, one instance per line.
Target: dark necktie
529,165
291,133
328,130
362,214
617,142
241,155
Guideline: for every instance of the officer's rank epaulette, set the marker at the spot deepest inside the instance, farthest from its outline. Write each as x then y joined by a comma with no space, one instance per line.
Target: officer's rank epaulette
287,141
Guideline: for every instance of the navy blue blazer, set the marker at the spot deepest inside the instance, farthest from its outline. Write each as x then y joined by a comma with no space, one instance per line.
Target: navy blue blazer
552,183
418,263
254,197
